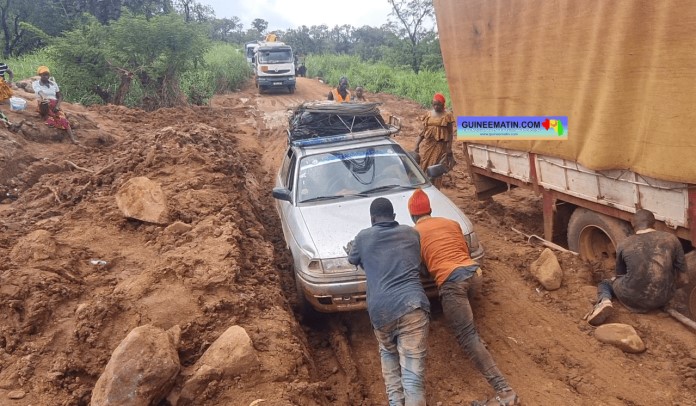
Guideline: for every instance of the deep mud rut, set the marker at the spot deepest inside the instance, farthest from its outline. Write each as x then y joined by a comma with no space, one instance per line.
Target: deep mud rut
62,316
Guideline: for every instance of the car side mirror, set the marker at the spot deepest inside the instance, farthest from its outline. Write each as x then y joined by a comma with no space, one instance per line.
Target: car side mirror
282,193
435,171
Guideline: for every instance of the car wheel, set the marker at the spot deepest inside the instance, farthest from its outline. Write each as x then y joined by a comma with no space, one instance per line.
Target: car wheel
595,236
304,308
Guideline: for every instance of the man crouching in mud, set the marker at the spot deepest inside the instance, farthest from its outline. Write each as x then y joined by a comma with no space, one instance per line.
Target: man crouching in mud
650,266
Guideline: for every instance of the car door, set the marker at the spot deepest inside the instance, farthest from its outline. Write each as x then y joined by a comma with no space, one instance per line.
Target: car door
286,180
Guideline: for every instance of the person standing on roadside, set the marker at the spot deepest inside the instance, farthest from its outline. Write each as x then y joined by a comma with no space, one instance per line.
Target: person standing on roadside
445,253
434,143
397,305
341,93
360,95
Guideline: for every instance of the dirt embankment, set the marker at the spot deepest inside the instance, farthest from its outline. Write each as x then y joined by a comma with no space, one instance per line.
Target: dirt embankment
64,315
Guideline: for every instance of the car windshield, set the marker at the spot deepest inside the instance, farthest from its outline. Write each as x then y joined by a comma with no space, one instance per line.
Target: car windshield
356,172
275,56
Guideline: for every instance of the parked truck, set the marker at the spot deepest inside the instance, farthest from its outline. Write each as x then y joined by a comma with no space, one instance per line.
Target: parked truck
623,73
274,65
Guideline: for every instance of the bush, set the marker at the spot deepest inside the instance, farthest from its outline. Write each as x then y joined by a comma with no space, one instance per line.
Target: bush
379,77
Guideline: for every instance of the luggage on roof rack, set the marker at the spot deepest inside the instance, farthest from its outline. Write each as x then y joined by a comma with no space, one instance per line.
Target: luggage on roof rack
321,122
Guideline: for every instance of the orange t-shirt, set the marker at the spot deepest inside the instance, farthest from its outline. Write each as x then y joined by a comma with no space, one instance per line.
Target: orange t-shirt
443,247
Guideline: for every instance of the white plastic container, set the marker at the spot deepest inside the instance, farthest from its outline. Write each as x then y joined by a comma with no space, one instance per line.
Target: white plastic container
17,103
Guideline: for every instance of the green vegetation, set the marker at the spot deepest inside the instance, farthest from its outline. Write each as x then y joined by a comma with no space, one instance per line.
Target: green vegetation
379,77
159,53
25,66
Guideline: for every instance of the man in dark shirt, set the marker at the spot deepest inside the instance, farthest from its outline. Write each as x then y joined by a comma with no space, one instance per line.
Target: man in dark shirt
396,302
340,94
650,266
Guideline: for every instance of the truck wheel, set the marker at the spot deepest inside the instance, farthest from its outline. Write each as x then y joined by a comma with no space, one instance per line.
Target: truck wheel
595,236
685,298
304,308
261,89
291,89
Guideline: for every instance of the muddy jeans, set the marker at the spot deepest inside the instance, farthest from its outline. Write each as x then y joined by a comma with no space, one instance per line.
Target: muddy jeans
454,297
402,347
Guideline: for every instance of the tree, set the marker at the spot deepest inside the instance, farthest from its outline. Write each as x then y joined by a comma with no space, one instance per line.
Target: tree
226,29
194,11
154,52
412,20
260,25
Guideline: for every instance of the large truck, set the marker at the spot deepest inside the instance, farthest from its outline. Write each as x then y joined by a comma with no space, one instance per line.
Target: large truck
274,65
623,73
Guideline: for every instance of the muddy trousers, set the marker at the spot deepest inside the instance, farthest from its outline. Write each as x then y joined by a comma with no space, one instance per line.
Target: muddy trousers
402,348
454,297
605,290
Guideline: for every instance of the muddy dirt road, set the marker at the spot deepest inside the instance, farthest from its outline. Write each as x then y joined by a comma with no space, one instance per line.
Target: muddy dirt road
62,316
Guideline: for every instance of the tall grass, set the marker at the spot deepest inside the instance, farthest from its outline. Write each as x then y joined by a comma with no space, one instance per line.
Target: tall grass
25,66
224,68
380,77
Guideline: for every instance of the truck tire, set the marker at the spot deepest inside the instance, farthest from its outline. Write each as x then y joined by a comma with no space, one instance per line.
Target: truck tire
685,297
595,236
291,89
261,89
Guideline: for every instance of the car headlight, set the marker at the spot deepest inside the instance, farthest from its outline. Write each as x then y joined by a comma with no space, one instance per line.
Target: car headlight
335,265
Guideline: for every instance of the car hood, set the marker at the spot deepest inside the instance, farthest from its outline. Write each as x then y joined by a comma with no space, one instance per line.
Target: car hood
333,224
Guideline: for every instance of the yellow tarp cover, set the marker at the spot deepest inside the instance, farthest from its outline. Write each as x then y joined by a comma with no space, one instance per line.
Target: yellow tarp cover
624,72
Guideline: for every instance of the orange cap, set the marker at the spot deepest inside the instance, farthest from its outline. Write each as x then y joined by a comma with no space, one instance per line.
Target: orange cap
42,69
419,203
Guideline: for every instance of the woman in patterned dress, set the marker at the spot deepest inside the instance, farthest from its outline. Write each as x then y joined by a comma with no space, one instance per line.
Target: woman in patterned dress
434,144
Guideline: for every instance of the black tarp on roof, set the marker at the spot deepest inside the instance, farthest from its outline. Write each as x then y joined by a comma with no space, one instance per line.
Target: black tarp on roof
324,119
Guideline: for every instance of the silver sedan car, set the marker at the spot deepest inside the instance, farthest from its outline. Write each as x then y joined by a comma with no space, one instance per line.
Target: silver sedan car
323,193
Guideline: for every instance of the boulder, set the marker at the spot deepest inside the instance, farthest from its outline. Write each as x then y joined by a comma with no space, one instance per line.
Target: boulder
547,270
620,335
142,369
142,199
230,355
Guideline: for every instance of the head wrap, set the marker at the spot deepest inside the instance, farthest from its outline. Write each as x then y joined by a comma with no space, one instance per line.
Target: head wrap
419,203
439,97
42,69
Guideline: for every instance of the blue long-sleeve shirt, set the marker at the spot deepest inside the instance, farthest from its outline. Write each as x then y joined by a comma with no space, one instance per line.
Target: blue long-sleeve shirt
390,255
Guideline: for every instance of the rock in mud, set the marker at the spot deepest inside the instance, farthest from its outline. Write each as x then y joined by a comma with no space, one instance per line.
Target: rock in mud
178,227
547,270
142,199
16,394
38,245
620,335
142,369
230,355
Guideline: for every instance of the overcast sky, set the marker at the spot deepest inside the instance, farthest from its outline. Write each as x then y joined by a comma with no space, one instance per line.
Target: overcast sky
284,14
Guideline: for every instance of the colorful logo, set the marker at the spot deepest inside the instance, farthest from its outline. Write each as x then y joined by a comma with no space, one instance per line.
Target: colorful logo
552,128
555,125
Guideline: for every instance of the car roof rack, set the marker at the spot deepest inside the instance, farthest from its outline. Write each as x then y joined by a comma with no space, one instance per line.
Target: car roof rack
325,122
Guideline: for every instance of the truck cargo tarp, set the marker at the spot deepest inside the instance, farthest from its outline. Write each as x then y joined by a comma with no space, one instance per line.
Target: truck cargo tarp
624,72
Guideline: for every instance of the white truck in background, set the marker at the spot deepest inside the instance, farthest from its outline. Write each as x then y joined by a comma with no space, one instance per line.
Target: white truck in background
620,82
274,65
